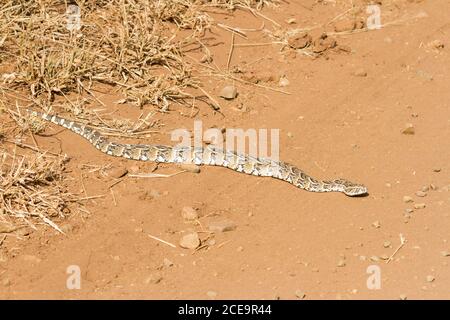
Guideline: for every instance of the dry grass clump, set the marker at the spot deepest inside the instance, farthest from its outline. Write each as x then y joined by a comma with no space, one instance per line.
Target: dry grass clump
127,43
30,186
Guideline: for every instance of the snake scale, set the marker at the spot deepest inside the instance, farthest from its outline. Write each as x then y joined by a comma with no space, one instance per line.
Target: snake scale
209,155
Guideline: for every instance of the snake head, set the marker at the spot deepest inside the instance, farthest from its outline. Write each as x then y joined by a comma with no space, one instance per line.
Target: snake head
351,189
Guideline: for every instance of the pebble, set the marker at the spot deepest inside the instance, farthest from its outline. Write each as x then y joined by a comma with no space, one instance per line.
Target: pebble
437,169
420,206
228,92
425,188
403,297
421,194
240,249
300,41
374,258
430,278
291,21
376,224
409,129
437,44
387,244
167,263
284,82
154,278
360,73
189,213
118,172
300,294
445,253
222,226
211,294
409,210
190,168
190,240
341,263
407,199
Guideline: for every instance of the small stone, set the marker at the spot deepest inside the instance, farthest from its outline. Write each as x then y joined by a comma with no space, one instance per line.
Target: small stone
437,169
324,43
167,263
211,294
384,257
407,199
291,21
403,297
240,249
228,92
221,226
409,129
189,213
376,224
445,253
437,44
420,206
154,278
300,294
117,173
300,41
284,82
425,189
421,194
360,72
387,244
190,240
375,258
409,210
341,263
430,278
190,168
290,135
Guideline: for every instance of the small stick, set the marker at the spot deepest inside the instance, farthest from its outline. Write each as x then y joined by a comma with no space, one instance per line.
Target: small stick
113,197
23,145
155,175
160,240
233,30
1,241
91,197
231,50
260,44
116,182
216,104
402,243
223,243
90,92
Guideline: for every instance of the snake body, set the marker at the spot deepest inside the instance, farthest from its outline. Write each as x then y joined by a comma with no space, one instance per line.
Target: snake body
209,155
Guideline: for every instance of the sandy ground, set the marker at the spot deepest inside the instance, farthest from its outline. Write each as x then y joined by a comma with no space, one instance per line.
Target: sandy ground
343,118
